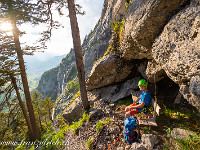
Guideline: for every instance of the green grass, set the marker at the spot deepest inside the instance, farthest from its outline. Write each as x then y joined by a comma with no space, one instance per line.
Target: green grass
53,140
178,118
76,125
171,118
88,144
190,143
100,124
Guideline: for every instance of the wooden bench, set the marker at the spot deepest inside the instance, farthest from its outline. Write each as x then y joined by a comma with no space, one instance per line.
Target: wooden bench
152,120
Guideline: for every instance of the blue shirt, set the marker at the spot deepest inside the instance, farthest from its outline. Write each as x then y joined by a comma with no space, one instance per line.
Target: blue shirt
145,97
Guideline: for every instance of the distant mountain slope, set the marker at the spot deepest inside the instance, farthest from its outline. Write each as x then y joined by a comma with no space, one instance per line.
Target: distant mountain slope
49,86
37,65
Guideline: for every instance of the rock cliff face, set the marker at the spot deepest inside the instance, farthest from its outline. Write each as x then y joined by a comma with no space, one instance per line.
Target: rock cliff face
97,42
48,82
54,81
177,51
164,36
159,42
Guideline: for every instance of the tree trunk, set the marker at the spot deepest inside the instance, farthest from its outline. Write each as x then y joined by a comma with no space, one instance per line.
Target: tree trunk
25,82
49,110
78,53
38,111
23,107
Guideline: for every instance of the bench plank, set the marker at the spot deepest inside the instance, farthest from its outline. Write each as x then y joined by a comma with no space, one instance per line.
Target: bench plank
151,121
147,123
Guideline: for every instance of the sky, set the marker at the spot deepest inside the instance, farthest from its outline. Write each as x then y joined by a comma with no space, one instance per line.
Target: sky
61,40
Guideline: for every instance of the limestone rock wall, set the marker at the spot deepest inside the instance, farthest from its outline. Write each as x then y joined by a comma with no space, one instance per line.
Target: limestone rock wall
177,51
97,42
144,21
164,36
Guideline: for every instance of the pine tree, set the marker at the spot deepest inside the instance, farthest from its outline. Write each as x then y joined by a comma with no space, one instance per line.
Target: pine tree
37,104
48,107
78,52
21,103
8,71
18,12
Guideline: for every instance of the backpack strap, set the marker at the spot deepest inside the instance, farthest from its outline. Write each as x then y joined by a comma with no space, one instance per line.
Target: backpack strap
138,128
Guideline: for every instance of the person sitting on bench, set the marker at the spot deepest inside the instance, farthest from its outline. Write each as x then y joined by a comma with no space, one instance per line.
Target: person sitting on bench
141,103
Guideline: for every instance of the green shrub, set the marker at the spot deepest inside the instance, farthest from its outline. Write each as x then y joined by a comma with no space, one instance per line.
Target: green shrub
117,27
146,130
168,131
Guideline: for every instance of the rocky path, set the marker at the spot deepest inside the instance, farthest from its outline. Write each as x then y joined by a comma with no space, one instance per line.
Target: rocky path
152,138
102,139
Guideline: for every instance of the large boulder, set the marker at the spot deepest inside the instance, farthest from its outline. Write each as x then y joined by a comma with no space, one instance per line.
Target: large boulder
178,133
189,96
74,111
116,92
195,85
151,71
148,141
144,21
108,70
177,51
